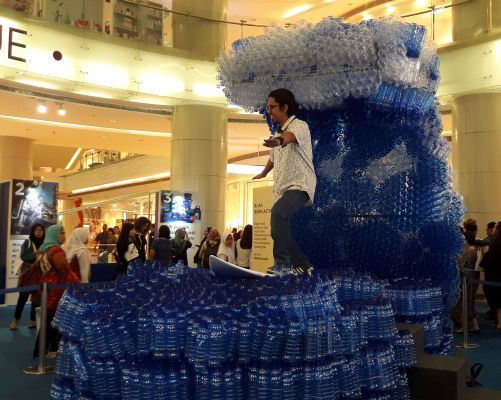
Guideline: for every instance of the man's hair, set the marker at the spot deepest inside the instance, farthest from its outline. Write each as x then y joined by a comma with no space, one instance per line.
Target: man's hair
491,225
283,97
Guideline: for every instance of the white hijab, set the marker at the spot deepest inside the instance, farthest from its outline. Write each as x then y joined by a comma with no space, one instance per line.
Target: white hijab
227,251
77,243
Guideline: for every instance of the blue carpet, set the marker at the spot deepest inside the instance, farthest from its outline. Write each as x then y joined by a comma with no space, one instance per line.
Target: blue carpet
16,348
489,352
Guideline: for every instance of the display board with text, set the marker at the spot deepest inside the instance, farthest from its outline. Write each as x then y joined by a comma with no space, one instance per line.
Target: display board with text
262,243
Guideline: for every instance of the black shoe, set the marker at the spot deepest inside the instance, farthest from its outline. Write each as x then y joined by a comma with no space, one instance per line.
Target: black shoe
302,269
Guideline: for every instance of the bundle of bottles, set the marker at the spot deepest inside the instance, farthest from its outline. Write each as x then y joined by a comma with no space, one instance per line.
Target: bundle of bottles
328,62
180,333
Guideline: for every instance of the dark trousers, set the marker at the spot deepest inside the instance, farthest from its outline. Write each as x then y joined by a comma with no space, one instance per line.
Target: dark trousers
285,248
53,336
21,302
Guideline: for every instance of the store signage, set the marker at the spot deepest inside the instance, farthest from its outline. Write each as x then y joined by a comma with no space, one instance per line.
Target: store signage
13,37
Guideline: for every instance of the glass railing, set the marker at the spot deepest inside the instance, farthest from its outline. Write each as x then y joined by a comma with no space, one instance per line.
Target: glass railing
147,21
154,22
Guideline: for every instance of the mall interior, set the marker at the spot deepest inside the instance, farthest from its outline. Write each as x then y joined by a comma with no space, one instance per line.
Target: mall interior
114,103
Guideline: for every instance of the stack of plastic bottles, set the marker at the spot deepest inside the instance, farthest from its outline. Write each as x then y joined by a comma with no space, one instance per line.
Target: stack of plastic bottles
384,201
186,334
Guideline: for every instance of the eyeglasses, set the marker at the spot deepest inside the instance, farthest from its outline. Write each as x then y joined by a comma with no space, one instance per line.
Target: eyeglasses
270,107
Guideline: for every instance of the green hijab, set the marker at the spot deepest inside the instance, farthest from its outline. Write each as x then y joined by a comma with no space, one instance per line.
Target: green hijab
51,237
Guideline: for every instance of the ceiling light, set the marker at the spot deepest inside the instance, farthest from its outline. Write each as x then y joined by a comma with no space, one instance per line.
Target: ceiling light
42,108
61,111
421,3
297,10
391,9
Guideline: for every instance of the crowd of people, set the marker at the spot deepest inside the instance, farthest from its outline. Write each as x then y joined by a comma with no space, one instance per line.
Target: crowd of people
47,257
480,255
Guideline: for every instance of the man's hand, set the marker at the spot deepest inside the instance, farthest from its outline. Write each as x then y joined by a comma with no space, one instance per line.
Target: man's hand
271,142
259,176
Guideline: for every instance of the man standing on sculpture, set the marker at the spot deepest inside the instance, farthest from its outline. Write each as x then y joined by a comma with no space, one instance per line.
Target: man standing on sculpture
294,177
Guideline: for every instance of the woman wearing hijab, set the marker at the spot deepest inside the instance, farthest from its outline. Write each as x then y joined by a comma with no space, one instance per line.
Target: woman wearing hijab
180,245
55,270
210,247
29,251
226,250
77,255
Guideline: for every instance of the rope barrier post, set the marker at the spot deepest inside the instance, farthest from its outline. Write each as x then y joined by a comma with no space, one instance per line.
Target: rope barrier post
41,368
464,319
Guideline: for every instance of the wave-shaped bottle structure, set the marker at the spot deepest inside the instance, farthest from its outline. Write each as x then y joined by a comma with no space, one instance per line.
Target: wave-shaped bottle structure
384,201
186,334
382,235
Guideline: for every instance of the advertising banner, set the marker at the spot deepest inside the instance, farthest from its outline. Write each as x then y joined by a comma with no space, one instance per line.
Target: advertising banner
262,243
181,210
32,202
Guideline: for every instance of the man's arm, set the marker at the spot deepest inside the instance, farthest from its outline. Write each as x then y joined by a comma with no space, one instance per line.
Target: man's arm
268,167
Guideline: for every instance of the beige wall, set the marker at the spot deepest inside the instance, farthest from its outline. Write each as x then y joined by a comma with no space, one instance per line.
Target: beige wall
476,155
16,158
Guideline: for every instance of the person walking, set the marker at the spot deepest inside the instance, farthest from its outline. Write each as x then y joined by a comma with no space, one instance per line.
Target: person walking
291,160
29,251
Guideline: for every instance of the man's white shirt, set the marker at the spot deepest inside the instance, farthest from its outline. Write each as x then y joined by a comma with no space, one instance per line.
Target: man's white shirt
293,164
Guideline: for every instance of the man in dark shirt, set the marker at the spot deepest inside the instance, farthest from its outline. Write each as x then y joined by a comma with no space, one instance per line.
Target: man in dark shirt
102,238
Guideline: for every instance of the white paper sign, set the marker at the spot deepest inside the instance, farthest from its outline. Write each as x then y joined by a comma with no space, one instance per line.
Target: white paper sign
12,278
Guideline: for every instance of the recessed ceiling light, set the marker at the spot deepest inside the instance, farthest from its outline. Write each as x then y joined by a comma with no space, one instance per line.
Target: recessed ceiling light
391,9
42,108
61,111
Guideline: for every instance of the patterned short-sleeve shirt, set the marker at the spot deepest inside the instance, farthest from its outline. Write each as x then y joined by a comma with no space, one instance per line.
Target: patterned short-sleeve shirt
293,164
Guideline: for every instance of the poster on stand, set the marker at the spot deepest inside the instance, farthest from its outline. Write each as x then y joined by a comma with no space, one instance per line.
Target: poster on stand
33,202
181,210
262,243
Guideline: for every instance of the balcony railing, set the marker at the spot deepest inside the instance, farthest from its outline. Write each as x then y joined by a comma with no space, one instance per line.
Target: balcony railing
150,22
